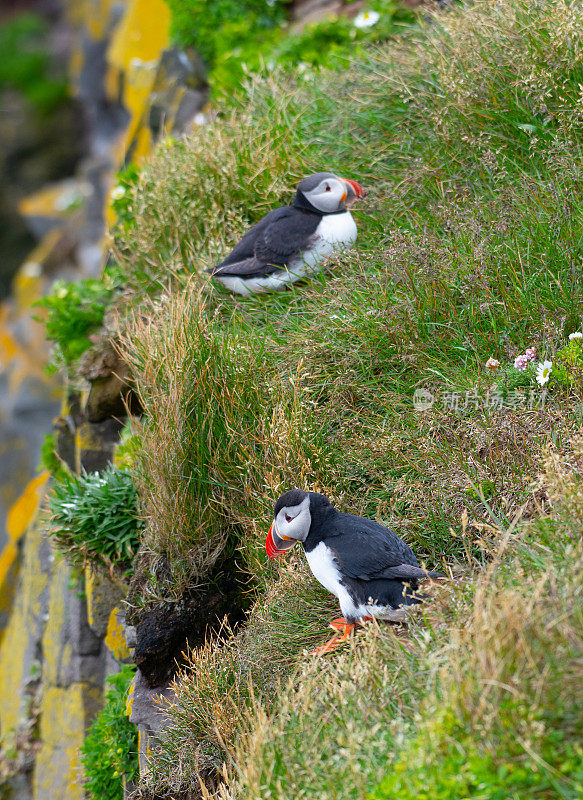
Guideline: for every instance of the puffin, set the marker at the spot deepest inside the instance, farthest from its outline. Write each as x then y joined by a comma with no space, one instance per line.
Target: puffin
372,572
290,243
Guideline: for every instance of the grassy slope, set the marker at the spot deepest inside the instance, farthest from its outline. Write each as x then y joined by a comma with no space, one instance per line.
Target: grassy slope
469,247
481,698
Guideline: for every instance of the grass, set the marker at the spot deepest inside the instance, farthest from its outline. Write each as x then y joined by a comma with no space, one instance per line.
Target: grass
236,39
469,136
207,394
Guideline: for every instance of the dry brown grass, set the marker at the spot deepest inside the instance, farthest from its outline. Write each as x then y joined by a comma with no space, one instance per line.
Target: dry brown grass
158,347
224,435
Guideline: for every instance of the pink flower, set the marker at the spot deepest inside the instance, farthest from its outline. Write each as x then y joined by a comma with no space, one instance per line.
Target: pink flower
530,353
521,362
492,364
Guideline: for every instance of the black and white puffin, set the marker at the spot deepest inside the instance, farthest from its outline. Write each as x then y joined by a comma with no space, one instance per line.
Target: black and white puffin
372,572
289,243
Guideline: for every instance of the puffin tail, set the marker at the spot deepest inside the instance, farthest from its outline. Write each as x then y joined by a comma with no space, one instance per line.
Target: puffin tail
246,268
407,572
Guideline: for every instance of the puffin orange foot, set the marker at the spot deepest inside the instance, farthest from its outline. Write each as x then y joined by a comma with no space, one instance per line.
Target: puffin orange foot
340,623
334,641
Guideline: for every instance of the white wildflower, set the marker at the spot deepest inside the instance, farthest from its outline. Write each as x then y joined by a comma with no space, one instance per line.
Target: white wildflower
543,372
117,192
366,19
576,335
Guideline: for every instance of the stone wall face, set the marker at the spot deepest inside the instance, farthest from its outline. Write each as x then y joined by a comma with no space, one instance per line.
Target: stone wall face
53,663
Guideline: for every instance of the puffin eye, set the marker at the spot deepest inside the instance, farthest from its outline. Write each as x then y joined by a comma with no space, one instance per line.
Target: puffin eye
328,189
288,518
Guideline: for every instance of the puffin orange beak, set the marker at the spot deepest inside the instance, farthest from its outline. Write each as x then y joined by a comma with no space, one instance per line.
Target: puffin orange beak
283,544
358,190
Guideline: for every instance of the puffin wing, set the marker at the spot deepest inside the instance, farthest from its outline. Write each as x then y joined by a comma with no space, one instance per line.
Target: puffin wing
368,551
271,243
245,247
287,236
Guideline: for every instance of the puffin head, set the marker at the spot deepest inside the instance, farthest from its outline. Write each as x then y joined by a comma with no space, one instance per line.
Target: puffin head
327,193
292,519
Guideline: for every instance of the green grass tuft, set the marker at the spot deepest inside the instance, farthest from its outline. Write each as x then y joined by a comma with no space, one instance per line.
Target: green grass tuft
94,517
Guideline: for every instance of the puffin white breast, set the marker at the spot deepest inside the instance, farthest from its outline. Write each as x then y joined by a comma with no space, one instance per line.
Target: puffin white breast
325,569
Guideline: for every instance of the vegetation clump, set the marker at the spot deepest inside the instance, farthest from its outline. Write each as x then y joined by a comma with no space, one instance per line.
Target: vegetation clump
109,753
95,517
50,460
242,38
74,311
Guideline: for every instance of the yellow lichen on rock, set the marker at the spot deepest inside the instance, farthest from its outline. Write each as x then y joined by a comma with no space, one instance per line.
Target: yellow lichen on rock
23,345
65,714
104,593
17,648
115,637
7,560
47,641
56,201
89,589
93,16
20,516
25,508
96,17
134,53
85,438
8,346
56,646
130,698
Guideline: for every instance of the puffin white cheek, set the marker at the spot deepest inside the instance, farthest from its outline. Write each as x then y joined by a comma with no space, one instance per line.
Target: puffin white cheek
284,528
324,201
294,527
302,525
